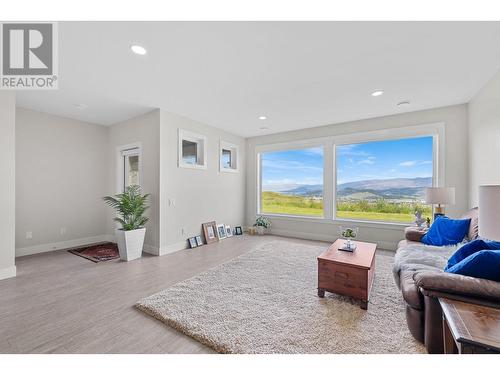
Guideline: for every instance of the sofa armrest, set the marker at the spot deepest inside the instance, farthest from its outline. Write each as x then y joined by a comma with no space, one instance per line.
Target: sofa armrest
453,284
415,234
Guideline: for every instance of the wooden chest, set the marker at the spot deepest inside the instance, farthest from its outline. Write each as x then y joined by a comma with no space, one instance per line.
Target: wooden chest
345,273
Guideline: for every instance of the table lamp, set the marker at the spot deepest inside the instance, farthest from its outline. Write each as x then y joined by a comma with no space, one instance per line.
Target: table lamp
489,212
439,196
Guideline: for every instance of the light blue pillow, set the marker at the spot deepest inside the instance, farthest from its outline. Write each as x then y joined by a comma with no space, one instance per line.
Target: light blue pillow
484,264
445,231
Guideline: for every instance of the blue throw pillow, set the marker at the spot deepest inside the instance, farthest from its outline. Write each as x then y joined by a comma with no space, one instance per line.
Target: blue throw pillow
445,231
484,264
469,249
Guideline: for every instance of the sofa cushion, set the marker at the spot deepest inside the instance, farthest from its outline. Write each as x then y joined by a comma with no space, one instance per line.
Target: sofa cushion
415,256
473,215
445,231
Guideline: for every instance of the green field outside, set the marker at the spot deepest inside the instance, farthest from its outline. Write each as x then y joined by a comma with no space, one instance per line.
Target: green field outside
277,203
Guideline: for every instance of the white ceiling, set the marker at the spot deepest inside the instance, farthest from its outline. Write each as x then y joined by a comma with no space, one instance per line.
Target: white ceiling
298,74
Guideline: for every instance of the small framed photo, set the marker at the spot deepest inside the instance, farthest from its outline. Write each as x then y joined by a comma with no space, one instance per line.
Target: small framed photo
192,242
199,241
210,232
221,231
238,231
229,231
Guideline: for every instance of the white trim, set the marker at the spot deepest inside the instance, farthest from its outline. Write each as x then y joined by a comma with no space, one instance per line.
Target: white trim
120,167
235,156
294,145
320,221
6,273
43,248
201,151
169,249
385,245
153,250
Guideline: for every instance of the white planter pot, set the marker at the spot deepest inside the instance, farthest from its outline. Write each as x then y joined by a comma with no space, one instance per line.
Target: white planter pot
261,230
130,243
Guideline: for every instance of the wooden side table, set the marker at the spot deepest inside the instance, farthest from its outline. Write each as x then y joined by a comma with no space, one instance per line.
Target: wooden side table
469,328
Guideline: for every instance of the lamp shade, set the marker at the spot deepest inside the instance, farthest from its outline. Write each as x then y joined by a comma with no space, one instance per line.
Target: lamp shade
489,212
440,195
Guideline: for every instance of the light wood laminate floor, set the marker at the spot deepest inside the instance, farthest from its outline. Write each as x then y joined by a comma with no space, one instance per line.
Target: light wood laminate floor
62,303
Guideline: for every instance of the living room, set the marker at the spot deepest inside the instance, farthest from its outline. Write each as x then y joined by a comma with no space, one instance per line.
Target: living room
250,187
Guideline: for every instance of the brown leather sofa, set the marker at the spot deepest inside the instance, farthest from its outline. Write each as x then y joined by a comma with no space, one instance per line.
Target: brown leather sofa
418,271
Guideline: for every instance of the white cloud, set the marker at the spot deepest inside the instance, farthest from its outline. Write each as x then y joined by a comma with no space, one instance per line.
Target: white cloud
369,160
412,163
288,184
409,163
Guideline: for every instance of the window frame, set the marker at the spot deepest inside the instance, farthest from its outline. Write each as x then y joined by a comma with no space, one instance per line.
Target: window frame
291,146
329,143
235,156
122,152
201,152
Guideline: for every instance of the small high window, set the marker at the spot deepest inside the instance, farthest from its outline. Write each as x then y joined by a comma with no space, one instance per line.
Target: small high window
192,150
228,157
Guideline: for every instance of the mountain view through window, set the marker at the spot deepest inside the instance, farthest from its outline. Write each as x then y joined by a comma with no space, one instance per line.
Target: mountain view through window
376,181
292,182
384,180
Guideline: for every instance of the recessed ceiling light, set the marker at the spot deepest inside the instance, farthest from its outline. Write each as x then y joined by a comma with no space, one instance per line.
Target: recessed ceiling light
137,49
262,118
80,106
377,93
403,103
264,128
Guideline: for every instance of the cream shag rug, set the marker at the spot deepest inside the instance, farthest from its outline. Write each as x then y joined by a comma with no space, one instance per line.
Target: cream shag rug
265,301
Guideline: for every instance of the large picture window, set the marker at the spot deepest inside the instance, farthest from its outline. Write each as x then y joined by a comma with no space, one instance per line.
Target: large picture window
384,180
292,182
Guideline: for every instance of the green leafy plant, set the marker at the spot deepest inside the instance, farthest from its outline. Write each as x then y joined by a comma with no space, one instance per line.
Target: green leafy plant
262,221
349,233
130,206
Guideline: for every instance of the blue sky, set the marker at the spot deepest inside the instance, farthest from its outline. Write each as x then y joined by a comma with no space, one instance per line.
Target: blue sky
401,158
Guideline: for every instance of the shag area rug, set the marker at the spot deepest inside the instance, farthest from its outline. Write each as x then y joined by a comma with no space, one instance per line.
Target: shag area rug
98,253
265,301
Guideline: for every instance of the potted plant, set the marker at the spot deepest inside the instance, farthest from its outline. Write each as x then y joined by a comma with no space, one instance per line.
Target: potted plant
130,206
262,223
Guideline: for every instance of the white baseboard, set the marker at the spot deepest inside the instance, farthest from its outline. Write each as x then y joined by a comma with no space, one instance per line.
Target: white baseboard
173,248
43,248
153,250
386,245
8,272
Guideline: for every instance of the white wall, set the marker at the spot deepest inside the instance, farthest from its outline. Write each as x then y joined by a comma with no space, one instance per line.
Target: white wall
144,129
484,138
61,176
8,185
387,236
199,195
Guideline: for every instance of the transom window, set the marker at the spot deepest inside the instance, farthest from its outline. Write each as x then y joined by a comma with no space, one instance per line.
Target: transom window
228,157
192,150
131,167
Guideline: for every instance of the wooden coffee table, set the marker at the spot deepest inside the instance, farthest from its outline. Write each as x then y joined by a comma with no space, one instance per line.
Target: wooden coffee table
349,274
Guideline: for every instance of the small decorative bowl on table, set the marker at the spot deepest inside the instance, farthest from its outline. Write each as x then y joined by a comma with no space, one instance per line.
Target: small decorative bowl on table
348,234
